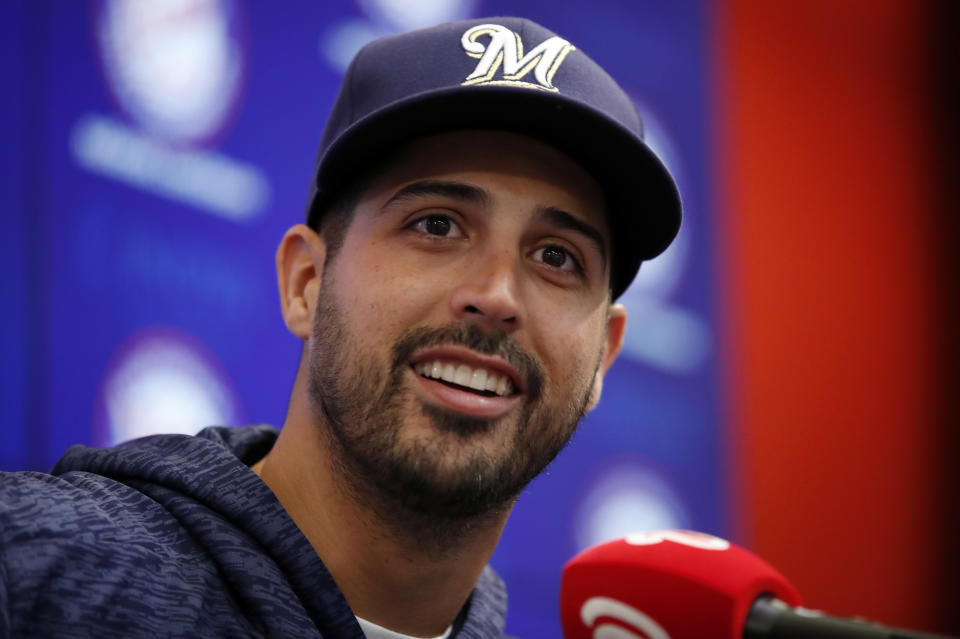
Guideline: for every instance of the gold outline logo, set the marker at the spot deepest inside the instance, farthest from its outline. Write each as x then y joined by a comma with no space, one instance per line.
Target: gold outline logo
505,49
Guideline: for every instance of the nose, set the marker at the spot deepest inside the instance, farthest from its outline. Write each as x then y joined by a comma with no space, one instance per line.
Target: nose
487,294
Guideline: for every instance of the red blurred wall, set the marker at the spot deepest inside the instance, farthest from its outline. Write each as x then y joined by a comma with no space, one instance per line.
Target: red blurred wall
830,258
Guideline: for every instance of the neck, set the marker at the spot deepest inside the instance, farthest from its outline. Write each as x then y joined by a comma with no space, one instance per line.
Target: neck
395,569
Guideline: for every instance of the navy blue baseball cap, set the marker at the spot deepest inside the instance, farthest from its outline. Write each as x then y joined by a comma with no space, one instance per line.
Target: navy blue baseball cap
507,74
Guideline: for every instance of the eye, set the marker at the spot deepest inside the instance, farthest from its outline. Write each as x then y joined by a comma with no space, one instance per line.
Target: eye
557,257
438,225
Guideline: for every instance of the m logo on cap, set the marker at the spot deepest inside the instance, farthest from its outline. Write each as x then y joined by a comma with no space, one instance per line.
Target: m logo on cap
506,49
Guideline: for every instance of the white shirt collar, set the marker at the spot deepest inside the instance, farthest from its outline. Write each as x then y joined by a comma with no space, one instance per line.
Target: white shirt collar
373,631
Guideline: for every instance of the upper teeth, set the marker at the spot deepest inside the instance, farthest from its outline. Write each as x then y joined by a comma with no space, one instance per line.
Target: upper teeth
463,375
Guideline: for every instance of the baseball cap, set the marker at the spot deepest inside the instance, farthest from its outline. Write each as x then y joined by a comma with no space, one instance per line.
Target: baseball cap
507,74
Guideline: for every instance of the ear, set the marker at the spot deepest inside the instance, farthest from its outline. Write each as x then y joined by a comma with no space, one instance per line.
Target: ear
300,258
616,325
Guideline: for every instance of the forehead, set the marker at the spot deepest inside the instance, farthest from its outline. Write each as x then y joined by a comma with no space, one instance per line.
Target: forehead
509,164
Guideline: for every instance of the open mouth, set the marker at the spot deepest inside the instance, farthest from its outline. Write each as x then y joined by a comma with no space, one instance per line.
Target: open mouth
474,379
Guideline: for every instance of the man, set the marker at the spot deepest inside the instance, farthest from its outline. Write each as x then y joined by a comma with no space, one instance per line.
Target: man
481,196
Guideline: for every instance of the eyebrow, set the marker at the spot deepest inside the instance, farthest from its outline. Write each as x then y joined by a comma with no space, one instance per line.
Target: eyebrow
453,190
568,221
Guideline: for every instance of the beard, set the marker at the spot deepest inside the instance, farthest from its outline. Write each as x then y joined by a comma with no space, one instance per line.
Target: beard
446,483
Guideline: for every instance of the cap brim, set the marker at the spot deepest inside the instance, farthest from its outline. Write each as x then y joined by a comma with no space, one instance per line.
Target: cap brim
644,203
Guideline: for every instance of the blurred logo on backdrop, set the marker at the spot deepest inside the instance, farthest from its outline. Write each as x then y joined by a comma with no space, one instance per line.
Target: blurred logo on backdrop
625,495
662,334
176,70
175,66
163,380
343,38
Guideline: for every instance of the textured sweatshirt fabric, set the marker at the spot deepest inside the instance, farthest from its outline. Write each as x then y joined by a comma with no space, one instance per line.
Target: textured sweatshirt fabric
174,536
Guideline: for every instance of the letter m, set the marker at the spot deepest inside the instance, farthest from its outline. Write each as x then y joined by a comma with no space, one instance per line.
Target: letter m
506,49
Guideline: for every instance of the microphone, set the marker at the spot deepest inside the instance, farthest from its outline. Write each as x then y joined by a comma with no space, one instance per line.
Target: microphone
677,584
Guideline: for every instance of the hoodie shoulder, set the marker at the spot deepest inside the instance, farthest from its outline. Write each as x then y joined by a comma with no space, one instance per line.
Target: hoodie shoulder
143,538
112,507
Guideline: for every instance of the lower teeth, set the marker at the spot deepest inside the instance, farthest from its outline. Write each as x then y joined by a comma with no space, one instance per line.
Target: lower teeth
484,393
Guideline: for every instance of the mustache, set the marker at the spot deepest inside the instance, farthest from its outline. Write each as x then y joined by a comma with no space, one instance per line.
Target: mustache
494,343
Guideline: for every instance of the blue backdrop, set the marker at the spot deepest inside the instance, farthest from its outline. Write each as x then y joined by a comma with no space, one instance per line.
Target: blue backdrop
155,153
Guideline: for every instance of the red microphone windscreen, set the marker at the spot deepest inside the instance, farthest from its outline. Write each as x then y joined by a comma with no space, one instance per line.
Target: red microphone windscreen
670,584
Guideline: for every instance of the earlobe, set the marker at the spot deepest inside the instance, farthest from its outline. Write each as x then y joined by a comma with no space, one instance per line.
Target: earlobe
300,259
613,342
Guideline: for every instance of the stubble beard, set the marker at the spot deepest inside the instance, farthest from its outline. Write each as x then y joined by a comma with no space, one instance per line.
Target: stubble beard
438,489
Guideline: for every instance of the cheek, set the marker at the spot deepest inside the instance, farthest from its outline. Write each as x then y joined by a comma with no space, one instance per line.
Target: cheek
570,353
385,292
575,350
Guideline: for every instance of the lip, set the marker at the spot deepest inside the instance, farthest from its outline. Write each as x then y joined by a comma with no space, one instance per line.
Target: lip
462,401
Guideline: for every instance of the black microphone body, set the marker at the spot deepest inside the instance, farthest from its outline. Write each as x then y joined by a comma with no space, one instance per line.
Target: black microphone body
770,618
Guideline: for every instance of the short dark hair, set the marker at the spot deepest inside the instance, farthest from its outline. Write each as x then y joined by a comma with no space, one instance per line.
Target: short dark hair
332,219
